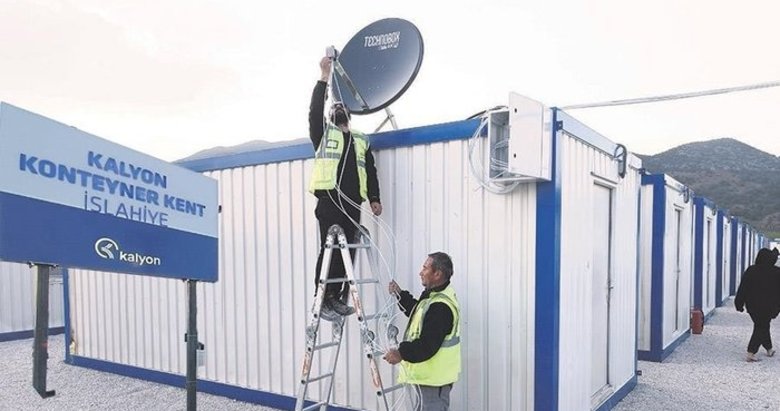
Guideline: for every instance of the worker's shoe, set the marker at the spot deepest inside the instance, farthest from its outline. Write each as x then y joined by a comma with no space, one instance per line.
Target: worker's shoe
326,311
770,352
751,357
339,306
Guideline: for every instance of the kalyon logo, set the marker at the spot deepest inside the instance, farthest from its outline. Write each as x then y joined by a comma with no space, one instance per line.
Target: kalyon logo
383,41
108,249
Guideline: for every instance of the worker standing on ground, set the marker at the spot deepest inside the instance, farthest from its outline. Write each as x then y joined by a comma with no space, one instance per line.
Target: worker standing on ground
344,176
758,293
430,352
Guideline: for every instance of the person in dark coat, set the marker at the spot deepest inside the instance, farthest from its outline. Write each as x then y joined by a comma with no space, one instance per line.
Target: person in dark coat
758,292
343,177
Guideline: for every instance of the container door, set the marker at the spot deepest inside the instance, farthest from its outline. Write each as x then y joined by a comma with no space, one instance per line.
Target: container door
602,245
726,281
705,255
677,267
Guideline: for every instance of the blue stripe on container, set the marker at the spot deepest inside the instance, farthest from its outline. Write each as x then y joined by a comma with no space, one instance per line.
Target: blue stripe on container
660,356
657,263
457,130
210,387
613,400
548,282
25,334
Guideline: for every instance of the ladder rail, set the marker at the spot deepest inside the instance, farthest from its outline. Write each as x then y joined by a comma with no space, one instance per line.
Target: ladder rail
336,241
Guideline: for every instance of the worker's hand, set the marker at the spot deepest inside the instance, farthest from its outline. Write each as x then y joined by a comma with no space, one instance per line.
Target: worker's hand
394,288
325,64
376,207
393,356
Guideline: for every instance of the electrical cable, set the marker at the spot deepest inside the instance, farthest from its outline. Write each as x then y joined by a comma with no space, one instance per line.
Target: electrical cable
389,301
669,97
504,185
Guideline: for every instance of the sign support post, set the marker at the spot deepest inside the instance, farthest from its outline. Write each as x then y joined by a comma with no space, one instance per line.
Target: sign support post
76,200
192,345
41,340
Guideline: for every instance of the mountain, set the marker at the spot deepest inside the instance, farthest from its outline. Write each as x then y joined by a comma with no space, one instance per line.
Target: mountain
734,175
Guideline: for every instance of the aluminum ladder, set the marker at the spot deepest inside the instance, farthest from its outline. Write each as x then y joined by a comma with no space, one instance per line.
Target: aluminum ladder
336,239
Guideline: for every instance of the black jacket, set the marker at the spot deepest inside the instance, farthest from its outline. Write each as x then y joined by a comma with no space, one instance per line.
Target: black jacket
348,180
436,325
759,290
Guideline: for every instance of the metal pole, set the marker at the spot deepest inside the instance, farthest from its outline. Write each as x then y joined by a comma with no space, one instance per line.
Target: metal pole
41,340
192,346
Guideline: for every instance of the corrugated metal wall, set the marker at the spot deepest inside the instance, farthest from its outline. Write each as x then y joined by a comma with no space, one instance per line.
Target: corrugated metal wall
582,168
645,266
672,306
674,201
726,263
17,298
252,321
738,254
709,258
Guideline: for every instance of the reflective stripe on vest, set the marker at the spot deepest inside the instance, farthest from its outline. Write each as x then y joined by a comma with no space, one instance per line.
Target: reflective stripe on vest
443,368
328,155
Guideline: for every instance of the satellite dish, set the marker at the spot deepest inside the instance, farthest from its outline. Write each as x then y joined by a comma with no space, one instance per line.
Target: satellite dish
377,66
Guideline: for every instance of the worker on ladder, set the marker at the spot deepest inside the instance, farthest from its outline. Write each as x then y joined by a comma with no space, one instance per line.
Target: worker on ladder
344,175
430,352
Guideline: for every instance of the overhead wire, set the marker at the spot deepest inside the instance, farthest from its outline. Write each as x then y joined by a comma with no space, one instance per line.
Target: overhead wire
677,96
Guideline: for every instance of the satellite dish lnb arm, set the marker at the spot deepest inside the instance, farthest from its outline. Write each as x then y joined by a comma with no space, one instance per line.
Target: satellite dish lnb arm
350,85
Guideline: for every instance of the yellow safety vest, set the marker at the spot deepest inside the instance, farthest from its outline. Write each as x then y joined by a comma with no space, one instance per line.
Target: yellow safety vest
328,155
443,368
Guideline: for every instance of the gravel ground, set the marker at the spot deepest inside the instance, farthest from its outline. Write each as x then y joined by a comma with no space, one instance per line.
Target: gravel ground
80,388
709,371
706,372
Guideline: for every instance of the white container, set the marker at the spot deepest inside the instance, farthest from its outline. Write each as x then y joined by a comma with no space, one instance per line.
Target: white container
17,301
527,334
666,266
705,255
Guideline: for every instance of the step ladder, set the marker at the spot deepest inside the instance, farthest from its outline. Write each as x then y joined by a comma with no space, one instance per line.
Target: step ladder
336,240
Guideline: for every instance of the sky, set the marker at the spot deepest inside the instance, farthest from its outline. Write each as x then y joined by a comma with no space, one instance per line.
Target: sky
170,78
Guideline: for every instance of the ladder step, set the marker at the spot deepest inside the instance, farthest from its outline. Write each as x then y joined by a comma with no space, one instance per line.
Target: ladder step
323,376
326,345
391,389
337,246
335,280
358,245
314,406
366,281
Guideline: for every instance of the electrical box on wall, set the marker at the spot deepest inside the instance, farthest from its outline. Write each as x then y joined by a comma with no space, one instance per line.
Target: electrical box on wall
520,141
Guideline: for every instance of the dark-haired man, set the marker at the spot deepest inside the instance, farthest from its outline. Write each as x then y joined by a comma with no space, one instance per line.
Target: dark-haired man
344,175
430,352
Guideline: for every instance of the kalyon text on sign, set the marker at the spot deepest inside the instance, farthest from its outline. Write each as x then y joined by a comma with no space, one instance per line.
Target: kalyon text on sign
73,199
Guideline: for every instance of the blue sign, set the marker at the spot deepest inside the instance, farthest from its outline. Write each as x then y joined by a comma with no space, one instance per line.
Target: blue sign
73,199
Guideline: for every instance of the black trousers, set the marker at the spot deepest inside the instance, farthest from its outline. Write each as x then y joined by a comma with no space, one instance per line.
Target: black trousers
329,213
761,335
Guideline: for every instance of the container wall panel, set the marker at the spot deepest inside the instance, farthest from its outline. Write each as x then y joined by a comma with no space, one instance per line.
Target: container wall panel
706,250
17,298
676,315
252,320
645,267
726,262
583,167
